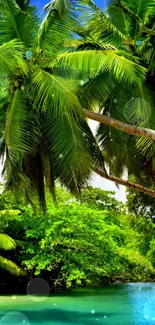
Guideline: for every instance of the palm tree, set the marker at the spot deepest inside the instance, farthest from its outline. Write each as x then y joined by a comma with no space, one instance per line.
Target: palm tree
48,79
44,135
128,27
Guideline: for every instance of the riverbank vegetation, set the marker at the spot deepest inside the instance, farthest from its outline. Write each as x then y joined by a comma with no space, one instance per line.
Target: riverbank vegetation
77,244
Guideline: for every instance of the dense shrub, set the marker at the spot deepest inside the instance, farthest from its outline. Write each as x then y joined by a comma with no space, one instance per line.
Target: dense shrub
82,244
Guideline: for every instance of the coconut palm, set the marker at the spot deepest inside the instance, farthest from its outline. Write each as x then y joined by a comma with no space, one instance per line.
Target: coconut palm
44,135
48,79
128,27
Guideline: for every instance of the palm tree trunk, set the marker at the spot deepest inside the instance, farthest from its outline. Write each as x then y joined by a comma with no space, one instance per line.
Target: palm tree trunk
126,183
127,128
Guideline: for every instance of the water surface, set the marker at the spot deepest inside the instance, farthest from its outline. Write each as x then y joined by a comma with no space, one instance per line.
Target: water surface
117,304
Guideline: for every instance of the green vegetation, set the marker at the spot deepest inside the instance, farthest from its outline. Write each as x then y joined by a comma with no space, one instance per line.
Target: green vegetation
140,203
55,73
128,26
78,244
7,243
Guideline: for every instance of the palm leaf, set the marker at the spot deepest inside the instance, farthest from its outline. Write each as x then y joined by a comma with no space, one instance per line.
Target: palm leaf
16,23
11,267
72,149
140,7
11,58
21,136
101,86
82,44
51,29
59,23
18,136
101,27
60,6
118,19
52,90
9,212
31,163
93,62
7,242
120,150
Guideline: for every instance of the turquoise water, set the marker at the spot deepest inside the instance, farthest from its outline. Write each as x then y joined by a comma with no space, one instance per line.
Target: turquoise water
117,304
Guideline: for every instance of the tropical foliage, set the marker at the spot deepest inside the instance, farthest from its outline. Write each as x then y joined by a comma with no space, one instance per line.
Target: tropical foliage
80,244
41,135
7,244
127,26
51,72
140,203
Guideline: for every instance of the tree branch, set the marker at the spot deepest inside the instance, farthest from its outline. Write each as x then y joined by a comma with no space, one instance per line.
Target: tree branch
126,183
127,128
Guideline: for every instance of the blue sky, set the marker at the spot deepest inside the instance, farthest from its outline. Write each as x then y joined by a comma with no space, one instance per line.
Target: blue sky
41,3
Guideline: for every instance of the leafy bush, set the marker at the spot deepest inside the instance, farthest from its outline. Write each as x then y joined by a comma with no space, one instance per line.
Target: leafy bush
76,243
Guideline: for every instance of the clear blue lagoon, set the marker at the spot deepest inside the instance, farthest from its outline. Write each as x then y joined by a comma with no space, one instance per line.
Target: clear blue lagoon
116,304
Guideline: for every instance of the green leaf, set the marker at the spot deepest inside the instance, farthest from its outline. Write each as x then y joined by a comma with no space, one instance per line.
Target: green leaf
9,212
11,267
94,62
7,242
16,23
11,58
51,91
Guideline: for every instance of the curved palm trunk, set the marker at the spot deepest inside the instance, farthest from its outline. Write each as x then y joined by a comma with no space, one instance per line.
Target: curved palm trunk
127,128
126,183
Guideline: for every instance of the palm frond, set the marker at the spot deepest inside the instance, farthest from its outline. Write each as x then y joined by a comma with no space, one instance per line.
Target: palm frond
140,7
21,137
11,267
52,91
115,62
16,23
101,86
118,19
149,15
18,136
59,23
145,117
33,168
120,150
100,27
51,29
60,6
82,44
6,242
72,149
11,58
9,212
